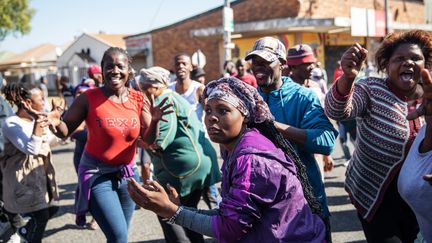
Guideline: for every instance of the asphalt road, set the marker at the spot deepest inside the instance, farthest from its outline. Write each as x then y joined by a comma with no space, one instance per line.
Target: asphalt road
145,227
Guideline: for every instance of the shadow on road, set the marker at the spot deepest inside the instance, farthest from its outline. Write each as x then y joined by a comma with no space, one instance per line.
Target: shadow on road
62,150
329,184
345,221
64,227
67,191
338,200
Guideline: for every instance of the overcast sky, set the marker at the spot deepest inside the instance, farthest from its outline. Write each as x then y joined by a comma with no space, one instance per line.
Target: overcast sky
57,22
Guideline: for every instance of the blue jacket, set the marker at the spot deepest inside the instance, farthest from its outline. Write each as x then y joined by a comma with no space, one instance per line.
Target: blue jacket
299,107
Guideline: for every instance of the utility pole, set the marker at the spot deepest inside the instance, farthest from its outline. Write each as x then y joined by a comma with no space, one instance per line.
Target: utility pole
387,16
228,27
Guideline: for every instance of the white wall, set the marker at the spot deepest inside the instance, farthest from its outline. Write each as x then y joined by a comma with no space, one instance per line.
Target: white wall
97,48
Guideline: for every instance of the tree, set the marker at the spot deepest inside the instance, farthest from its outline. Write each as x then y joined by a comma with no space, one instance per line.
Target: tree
15,16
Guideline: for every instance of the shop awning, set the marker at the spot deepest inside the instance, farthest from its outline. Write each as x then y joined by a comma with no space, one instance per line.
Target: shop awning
325,25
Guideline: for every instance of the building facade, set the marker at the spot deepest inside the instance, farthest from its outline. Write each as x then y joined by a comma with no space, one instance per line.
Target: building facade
84,51
326,25
32,64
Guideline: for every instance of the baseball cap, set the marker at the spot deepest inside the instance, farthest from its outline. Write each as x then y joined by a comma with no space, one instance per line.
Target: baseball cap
268,48
299,54
93,69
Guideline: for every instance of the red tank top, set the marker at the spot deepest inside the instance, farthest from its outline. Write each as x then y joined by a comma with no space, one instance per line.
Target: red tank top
113,128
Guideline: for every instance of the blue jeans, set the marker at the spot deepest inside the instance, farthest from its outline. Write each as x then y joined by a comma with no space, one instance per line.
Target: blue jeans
112,207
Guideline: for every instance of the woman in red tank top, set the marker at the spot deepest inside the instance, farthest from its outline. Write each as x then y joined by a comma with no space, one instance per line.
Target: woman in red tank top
115,116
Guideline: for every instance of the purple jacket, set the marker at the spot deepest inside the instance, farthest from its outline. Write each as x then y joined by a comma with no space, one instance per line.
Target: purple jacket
263,200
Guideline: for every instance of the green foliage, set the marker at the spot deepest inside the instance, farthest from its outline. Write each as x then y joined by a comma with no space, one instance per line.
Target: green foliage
15,16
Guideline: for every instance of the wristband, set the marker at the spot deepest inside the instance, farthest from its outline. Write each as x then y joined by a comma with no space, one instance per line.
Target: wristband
174,217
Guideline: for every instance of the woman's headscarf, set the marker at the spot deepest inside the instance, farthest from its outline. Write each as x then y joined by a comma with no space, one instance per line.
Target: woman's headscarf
241,95
154,75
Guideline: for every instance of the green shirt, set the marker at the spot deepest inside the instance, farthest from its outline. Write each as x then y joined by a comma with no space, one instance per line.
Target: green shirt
185,160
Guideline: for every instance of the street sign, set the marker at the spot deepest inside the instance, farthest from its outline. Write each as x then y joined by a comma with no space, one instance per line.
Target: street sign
198,59
228,19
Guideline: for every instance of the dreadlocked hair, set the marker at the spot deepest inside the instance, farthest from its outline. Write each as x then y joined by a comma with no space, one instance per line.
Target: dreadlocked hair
16,92
269,130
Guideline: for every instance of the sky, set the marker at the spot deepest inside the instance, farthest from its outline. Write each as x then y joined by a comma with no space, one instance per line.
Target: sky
59,21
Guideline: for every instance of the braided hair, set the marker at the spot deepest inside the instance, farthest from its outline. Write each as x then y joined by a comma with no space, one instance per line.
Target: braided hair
16,92
117,50
268,129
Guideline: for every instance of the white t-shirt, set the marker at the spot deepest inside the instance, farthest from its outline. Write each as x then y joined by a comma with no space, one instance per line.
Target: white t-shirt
417,192
191,97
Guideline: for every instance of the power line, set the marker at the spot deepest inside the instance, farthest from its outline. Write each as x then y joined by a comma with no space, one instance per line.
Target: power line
156,14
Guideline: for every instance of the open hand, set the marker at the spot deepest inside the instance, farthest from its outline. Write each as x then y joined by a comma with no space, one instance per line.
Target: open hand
152,196
352,60
157,112
54,115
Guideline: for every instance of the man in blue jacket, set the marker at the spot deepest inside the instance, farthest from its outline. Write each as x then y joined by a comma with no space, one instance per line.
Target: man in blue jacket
297,110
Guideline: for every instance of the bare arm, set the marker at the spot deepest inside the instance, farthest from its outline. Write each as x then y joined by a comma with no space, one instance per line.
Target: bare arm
199,93
295,135
149,128
74,116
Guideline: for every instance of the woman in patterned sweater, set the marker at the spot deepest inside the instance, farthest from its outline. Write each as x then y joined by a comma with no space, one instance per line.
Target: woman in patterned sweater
384,133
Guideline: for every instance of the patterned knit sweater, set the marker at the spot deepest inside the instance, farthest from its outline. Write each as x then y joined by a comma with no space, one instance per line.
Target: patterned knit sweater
383,139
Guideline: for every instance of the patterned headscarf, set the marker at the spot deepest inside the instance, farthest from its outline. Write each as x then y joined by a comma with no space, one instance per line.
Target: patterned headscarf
241,95
154,75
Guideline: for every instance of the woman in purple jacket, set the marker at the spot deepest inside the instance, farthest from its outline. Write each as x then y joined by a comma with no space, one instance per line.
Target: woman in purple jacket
265,192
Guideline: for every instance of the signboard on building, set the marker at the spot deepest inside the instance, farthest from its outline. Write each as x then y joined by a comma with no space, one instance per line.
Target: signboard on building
359,22
367,22
141,45
136,44
376,23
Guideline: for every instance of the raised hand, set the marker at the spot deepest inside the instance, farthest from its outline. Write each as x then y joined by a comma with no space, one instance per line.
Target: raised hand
157,112
426,107
55,114
152,196
352,60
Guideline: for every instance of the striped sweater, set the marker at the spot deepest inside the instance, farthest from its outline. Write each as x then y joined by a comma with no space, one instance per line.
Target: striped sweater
383,139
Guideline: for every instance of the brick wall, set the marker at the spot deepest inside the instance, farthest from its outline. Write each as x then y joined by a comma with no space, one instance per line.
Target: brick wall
171,40
404,11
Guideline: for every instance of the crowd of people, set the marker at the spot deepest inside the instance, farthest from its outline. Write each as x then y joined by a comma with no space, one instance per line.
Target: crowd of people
268,116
